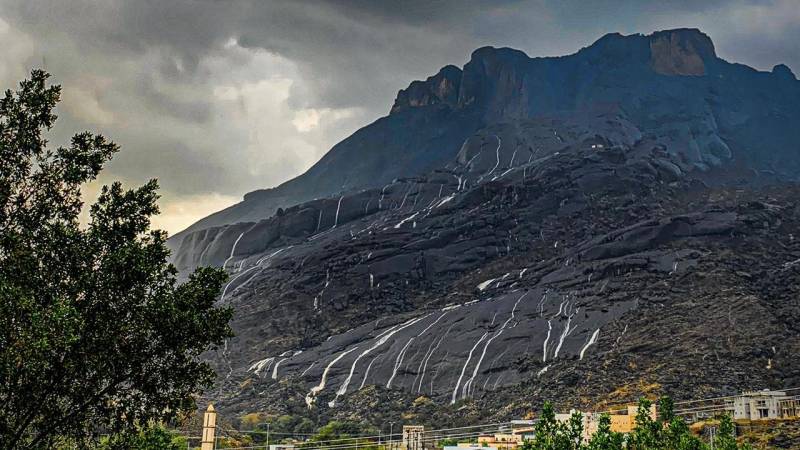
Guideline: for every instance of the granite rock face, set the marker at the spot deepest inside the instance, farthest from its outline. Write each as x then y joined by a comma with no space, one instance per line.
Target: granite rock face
493,278
589,228
442,88
681,52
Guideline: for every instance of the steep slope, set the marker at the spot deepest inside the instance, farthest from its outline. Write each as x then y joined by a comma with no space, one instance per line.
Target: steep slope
398,145
506,274
699,303
670,83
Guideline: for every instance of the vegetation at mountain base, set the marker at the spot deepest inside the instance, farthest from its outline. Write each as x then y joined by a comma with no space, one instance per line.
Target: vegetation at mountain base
768,434
343,432
667,432
154,437
96,334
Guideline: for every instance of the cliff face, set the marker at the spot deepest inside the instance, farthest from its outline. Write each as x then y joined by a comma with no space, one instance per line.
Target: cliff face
442,88
681,52
703,109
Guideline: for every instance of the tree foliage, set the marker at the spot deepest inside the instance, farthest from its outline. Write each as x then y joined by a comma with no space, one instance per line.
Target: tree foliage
154,437
96,333
725,439
667,432
343,433
552,434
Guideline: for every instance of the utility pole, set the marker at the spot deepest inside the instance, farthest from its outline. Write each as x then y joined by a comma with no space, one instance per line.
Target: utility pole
712,431
267,435
391,435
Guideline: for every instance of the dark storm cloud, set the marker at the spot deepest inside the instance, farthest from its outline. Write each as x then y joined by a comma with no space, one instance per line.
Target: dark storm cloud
375,45
227,96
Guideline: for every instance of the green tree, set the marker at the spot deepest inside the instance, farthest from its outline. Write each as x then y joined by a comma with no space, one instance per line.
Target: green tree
666,409
96,333
725,438
667,432
339,433
447,442
549,434
154,437
604,438
647,432
304,426
545,431
677,436
572,433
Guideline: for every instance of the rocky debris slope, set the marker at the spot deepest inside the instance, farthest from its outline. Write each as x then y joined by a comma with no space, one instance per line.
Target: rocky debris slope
700,299
500,280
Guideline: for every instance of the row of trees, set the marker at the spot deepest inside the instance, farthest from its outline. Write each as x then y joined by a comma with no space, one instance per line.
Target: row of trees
667,432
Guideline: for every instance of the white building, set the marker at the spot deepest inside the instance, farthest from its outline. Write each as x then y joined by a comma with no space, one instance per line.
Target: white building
412,437
473,446
281,447
766,404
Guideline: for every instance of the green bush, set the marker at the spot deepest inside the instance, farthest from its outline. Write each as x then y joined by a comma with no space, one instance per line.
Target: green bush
153,437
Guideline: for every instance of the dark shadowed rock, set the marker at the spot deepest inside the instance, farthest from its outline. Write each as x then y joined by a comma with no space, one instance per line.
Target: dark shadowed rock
442,88
589,228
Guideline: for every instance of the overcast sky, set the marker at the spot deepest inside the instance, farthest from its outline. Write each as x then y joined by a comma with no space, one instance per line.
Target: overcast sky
218,98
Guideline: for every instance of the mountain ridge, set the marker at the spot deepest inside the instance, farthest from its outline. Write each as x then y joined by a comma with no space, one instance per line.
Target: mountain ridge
467,100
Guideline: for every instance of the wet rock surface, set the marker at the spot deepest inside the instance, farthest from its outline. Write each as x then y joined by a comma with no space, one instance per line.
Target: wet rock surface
706,309
525,238
585,274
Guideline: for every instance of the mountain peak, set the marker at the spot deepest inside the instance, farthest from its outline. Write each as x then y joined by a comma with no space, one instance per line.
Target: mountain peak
675,52
489,52
682,51
784,71
440,88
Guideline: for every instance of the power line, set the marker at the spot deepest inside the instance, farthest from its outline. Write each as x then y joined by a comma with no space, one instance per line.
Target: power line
337,444
708,399
350,438
313,445
498,424
473,434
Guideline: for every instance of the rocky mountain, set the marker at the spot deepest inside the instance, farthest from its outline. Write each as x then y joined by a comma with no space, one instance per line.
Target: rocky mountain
619,221
669,83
